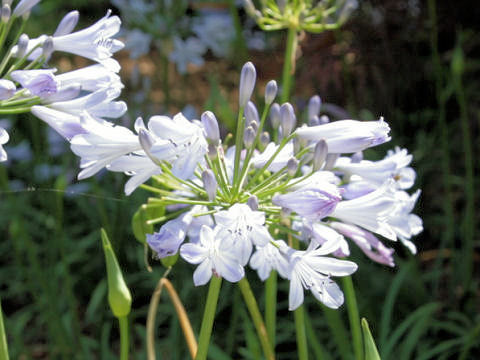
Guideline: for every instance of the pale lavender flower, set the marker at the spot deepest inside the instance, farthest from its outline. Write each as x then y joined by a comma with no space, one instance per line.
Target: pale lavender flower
167,241
310,270
67,24
280,160
24,6
65,124
91,78
246,227
347,136
189,51
269,258
137,43
39,82
367,242
216,31
7,89
312,202
214,254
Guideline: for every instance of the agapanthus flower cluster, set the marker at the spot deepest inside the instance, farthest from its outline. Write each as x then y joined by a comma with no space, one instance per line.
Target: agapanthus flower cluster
285,200
73,102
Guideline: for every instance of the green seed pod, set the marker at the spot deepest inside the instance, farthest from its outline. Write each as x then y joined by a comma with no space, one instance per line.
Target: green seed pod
119,296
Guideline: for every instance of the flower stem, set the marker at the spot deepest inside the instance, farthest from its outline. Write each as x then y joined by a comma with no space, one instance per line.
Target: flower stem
301,333
3,338
340,335
271,306
252,306
124,344
353,317
289,63
208,317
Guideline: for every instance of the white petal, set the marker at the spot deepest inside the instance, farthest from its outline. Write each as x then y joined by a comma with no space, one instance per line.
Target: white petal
193,253
202,273
295,296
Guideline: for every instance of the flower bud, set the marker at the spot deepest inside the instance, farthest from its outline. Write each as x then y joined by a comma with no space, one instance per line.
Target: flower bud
212,151
324,119
254,125
22,45
24,6
209,183
314,121
119,296
8,2
287,119
270,92
249,137
292,166
6,12
251,113
210,124
7,89
319,154
330,161
314,106
248,77
67,24
357,157
275,115
264,139
146,141
47,47
252,202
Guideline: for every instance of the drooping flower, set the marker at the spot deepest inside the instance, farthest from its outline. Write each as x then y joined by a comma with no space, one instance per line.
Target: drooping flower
167,241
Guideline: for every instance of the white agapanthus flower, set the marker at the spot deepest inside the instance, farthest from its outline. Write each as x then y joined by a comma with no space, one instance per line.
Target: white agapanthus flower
3,140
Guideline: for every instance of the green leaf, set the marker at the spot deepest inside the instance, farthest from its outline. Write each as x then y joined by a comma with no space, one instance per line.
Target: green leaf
140,218
371,352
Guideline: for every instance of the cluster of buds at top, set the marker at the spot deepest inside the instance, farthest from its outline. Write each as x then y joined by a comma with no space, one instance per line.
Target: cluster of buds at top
283,200
312,16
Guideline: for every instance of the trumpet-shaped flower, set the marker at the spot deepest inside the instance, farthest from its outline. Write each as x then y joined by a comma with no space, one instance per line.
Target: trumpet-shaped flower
245,228
311,270
214,254
7,89
39,82
269,258
280,160
171,235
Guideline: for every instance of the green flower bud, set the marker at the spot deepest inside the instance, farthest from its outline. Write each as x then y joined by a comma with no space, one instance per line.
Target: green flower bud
119,296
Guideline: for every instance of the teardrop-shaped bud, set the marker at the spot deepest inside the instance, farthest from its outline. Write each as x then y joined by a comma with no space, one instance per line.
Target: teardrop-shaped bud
248,76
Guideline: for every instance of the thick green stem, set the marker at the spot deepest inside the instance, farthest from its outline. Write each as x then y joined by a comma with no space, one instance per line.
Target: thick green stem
208,317
353,317
289,63
3,338
271,306
252,306
340,335
301,333
124,342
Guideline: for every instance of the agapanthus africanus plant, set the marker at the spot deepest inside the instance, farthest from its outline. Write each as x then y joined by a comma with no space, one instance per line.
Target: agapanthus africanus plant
70,102
281,202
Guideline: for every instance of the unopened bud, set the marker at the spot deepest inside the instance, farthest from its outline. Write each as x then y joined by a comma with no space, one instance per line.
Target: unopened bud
212,151
357,157
209,183
248,77
296,145
210,124
7,2
146,141
254,125
314,106
275,115
47,47
7,89
253,202
324,119
67,24
251,113
6,12
319,154
119,296
22,45
270,92
249,137
314,121
264,139
287,119
330,161
24,7
292,166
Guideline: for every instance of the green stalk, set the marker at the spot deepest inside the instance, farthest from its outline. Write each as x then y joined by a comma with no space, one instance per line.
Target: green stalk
353,316
271,306
3,338
19,110
124,342
301,333
319,351
289,63
449,229
252,306
208,317
238,145
469,217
